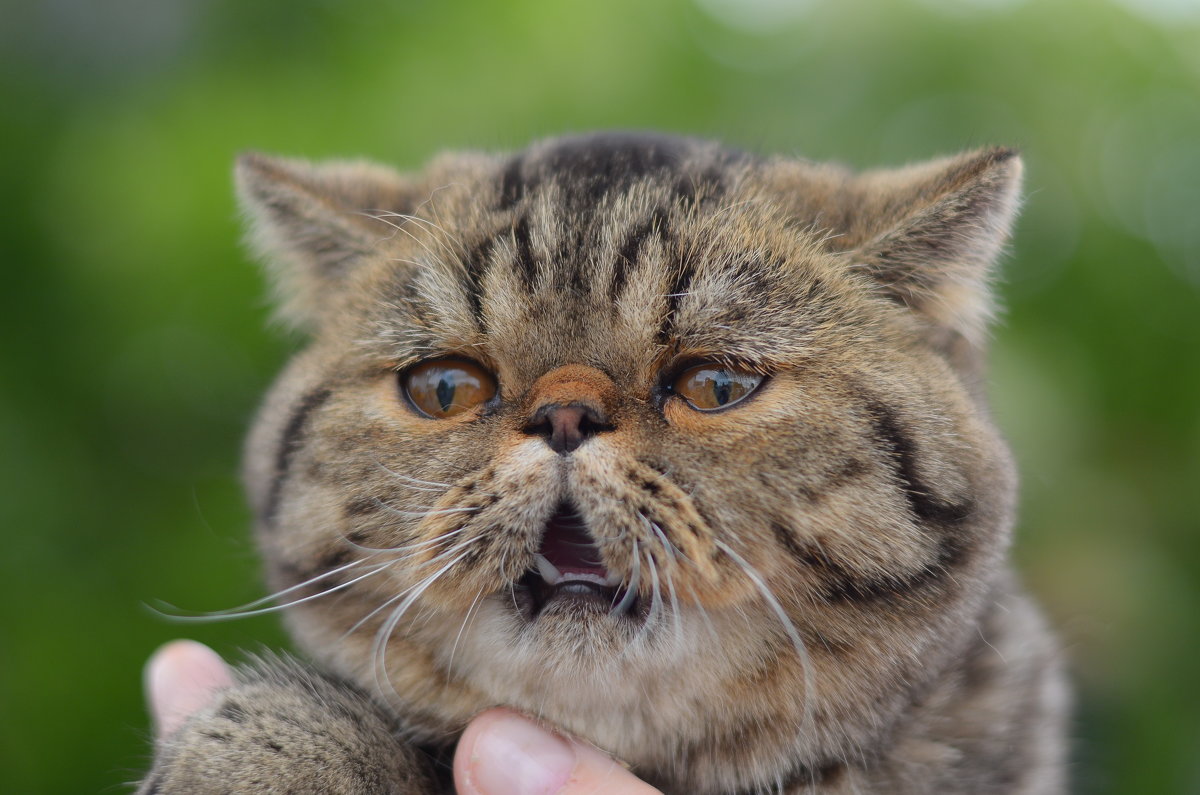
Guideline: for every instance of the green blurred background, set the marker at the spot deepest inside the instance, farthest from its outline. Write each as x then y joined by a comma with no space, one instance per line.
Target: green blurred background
134,345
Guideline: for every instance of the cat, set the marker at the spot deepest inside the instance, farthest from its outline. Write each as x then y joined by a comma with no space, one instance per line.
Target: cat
681,449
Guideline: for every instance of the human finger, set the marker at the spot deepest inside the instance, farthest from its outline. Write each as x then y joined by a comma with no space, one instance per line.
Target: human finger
181,678
504,753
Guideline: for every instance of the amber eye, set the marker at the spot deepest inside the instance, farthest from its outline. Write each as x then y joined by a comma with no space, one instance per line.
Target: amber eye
714,386
442,388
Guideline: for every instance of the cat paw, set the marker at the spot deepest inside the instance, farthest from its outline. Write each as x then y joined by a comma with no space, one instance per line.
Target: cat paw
283,728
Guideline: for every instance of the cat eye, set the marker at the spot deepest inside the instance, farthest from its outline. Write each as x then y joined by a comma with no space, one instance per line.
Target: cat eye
441,388
707,387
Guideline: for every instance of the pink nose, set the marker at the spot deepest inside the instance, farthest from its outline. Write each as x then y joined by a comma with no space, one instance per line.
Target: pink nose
566,427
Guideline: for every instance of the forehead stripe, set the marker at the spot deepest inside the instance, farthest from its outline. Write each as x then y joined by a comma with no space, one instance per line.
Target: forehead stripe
631,248
524,263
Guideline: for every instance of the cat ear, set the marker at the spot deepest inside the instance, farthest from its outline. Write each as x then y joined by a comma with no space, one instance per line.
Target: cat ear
314,223
934,231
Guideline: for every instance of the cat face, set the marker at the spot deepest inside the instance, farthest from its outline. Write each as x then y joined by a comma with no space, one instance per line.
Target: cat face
671,445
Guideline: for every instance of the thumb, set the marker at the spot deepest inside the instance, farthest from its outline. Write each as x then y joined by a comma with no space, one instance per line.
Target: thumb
503,753
182,677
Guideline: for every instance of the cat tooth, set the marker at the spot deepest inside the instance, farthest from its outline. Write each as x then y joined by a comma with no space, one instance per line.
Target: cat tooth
612,580
548,570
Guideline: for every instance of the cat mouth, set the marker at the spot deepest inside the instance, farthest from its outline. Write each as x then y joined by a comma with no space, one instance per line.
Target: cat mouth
569,572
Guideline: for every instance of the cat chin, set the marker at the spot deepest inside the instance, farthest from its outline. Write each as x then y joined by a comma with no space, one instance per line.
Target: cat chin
637,690
578,633
578,659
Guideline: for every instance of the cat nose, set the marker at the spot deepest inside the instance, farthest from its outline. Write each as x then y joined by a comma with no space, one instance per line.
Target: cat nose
569,405
565,427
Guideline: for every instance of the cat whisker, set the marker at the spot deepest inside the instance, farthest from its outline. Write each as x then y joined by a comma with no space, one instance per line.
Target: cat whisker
502,568
656,602
421,509
250,608
383,636
419,484
463,628
671,551
632,590
512,594
450,549
789,628
411,549
676,618
254,608
386,216
428,511
435,560
454,244
441,236
430,484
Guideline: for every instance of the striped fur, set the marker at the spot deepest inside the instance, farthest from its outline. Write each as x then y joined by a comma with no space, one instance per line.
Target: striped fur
822,598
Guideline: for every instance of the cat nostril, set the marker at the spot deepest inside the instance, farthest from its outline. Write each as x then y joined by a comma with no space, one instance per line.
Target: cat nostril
565,427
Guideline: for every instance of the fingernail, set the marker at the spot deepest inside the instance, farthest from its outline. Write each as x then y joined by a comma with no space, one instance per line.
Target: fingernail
514,756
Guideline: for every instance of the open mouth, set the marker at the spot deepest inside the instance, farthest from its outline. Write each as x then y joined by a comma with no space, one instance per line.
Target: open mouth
569,570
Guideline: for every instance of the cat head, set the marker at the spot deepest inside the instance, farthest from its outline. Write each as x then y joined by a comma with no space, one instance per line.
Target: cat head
674,445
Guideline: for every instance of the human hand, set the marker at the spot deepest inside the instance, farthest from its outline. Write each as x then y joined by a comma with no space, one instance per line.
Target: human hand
500,753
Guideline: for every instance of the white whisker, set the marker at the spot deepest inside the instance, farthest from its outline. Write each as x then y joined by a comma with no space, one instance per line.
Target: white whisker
673,557
410,479
430,511
656,603
631,591
388,627
241,612
432,561
384,216
462,629
786,622
411,546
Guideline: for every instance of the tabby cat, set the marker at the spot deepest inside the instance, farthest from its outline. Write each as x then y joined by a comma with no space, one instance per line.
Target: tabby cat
680,449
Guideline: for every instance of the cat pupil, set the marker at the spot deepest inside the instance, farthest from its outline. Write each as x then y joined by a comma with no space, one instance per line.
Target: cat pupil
445,393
